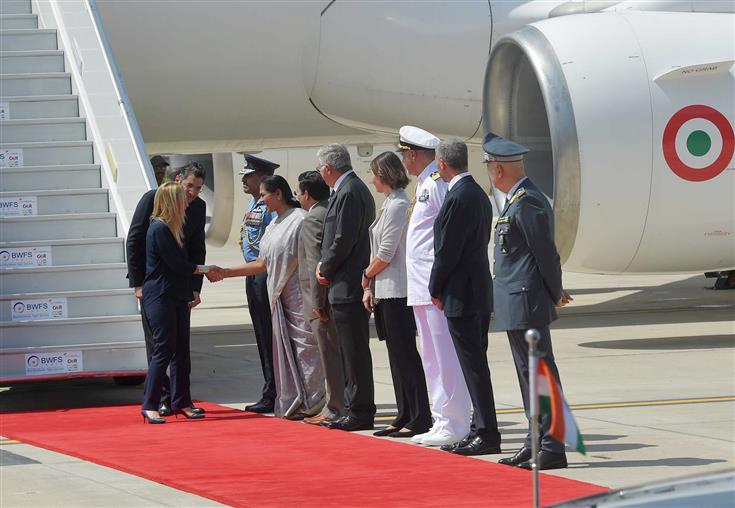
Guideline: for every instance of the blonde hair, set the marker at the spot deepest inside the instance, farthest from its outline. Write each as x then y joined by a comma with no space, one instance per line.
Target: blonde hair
167,208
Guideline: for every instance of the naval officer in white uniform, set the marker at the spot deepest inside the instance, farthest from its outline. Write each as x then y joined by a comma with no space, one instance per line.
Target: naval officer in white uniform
450,399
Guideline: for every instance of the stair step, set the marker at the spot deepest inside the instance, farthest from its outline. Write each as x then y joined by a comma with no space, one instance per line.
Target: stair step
126,357
74,304
14,21
27,39
34,130
71,332
26,178
64,278
53,153
57,227
50,202
74,251
20,62
24,84
42,106
15,7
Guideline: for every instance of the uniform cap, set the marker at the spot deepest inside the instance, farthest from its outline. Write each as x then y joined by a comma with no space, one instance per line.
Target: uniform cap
253,164
159,160
503,150
413,138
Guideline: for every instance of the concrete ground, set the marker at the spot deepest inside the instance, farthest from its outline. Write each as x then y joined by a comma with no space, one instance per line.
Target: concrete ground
647,361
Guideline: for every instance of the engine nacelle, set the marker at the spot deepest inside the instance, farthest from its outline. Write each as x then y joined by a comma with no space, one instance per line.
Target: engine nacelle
630,121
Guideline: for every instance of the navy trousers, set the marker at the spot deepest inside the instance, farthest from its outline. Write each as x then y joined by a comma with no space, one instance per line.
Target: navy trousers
469,334
519,348
259,305
168,320
395,324
149,348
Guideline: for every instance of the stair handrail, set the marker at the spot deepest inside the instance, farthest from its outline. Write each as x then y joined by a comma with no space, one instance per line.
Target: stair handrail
124,196
122,96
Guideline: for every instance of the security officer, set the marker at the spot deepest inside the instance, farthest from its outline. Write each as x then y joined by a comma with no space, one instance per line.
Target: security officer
253,226
527,275
450,399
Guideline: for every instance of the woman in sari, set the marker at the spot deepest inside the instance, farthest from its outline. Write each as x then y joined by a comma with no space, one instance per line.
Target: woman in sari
300,386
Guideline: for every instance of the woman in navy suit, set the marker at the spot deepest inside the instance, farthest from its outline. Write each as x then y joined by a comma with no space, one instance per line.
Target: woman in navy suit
167,292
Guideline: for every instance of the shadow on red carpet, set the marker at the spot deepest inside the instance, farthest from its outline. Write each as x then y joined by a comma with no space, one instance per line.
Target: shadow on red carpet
244,459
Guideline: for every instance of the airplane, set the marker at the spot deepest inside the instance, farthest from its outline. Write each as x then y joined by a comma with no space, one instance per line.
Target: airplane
628,106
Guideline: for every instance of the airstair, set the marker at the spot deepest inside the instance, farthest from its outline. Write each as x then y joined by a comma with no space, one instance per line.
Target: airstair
65,306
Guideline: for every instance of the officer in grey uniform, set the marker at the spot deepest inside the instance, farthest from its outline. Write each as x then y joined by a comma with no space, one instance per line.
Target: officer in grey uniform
527,279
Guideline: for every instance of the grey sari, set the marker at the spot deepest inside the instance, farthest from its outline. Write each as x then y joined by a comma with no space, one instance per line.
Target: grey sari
300,387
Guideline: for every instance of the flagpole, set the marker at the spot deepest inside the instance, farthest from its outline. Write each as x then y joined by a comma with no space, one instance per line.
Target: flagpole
532,337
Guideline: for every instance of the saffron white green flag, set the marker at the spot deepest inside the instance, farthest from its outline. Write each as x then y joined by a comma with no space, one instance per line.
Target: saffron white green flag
551,401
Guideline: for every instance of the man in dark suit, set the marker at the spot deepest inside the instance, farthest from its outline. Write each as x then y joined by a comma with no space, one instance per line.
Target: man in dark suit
460,284
528,284
313,193
345,254
191,177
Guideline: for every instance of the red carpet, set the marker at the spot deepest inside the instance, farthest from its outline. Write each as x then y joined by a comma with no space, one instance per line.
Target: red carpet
242,459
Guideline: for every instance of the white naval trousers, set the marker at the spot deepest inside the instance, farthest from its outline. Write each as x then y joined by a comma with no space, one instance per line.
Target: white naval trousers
450,399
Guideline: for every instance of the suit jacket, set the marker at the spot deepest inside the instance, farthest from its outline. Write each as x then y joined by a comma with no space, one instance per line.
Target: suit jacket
194,245
460,275
527,266
345,239
310,247
167,270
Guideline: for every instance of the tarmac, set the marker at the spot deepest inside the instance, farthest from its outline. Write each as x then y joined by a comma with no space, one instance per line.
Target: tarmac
647,363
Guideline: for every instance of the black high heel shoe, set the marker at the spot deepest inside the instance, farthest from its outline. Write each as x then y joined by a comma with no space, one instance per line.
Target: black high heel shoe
195,409
193,415
151,419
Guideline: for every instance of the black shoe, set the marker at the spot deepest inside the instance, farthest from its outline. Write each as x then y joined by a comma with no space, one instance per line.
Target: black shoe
190,415
351,424
521,455
477,446
453,446
196,409
164,409
385,432
547,460
262,406
329,423
151,419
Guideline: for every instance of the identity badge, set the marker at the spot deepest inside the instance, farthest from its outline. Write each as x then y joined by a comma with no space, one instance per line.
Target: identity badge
14,206
62,362
25,257
34,310
11,158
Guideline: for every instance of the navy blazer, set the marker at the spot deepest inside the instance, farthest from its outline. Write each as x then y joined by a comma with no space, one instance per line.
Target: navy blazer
460,276
167,271
196,250
346,241
527,266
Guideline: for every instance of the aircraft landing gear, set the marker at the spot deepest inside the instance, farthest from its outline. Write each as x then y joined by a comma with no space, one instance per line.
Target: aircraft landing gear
725,280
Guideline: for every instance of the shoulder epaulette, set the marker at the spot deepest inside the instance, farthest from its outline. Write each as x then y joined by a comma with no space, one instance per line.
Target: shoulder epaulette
518,195
435,176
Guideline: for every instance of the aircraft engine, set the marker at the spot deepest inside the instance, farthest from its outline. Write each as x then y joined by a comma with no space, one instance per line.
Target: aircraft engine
630,121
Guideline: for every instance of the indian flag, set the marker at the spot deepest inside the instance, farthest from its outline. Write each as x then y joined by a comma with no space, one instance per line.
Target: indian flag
551,400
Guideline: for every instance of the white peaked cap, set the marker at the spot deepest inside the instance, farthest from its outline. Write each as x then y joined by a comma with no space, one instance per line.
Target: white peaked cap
413,137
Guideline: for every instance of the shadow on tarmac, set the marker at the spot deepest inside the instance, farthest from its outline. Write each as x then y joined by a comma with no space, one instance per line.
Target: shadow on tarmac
690,342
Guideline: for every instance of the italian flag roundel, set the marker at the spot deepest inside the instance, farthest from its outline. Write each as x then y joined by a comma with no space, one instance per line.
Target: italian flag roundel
551,400
698,143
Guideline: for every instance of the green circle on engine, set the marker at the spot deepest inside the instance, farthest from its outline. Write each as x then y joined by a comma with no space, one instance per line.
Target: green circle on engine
698,143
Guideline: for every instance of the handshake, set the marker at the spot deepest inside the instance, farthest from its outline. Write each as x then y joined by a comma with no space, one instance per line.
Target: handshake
213,272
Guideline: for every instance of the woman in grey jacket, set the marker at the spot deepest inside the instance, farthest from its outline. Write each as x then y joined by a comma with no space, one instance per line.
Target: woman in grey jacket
384,286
